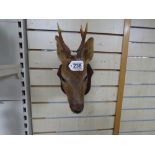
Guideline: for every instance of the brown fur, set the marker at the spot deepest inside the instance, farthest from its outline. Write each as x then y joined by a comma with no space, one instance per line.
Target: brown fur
75,84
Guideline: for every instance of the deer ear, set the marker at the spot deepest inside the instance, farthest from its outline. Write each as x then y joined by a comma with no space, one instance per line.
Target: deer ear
88,50
62,53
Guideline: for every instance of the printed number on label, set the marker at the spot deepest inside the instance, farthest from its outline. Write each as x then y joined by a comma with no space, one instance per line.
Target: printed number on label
76,66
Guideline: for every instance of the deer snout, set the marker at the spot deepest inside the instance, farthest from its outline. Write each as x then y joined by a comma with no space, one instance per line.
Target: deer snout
76,107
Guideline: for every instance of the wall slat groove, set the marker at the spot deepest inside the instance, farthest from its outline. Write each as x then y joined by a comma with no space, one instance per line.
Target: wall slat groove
49,78
46,40
63,110
86,132
73,124
43,94
50,60
95,25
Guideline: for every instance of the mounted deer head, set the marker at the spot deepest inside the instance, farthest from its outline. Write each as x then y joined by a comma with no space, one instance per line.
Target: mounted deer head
75,83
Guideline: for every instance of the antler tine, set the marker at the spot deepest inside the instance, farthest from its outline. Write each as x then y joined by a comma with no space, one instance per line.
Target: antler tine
83,35
81,31
86,28
59,31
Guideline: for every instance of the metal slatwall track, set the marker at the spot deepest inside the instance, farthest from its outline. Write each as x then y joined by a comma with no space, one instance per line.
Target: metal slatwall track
23,56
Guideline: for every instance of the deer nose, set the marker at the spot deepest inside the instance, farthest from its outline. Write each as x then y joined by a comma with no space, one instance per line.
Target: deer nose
77,108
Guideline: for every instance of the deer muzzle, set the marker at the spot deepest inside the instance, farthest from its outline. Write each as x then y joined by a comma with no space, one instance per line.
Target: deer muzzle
77,107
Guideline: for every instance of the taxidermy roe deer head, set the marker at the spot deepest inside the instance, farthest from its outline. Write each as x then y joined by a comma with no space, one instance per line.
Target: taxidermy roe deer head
75,72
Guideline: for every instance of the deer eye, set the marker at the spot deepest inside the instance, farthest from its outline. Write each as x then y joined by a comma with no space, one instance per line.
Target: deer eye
86,77
63,79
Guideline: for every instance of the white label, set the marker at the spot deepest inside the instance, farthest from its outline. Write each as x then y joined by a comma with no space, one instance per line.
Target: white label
76,66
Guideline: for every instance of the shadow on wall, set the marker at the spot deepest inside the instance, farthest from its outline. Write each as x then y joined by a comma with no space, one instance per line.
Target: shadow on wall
8,43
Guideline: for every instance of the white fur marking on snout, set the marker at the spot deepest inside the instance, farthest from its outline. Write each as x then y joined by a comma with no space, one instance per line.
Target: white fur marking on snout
73,53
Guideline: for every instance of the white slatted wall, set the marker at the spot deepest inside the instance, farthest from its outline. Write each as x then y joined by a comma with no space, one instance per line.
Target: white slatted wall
138,111
50,109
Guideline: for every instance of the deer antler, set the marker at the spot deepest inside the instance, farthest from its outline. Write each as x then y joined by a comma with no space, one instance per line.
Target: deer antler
83,35
64,46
